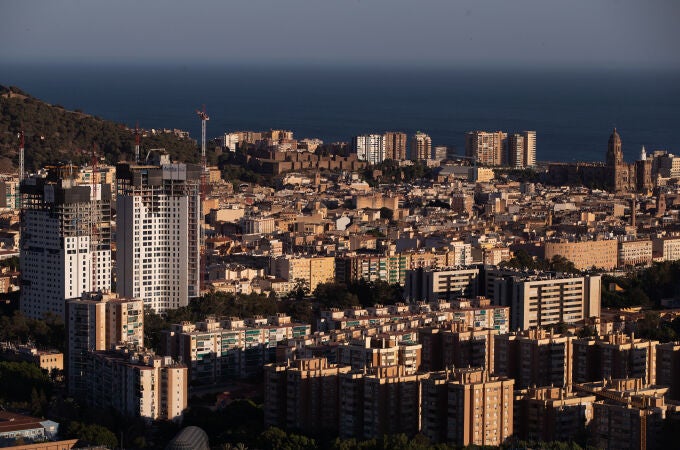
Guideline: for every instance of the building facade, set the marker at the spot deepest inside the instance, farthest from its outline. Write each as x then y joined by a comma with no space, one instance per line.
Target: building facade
136,384
487,148
158,235
420,146
395,145
621,176
369,147
310,270
65,246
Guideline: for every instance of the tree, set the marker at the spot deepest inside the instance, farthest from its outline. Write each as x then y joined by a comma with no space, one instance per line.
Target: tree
300,289
335,295
559,263
92,434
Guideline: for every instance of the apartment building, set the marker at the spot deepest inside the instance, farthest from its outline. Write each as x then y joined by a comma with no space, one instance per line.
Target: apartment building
463,346
546,414
136,384
312,395
391,402
521,149
627,414
216,350
65,246
395,145
668,368
303,395
546,298
420,147
585,255
96,322
635,253
441,284
488,148
158,237
310,270
388,268
666,248
377,351
258,225
370,148
467,407
534,357
614,356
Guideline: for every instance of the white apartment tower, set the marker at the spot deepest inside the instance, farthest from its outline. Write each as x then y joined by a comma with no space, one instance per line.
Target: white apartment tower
369,147
158,233
65,244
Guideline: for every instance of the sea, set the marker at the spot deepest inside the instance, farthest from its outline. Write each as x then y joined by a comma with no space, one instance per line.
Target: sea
572,110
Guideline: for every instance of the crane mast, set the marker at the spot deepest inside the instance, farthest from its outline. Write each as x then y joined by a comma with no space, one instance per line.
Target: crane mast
137,143
21,156
204,175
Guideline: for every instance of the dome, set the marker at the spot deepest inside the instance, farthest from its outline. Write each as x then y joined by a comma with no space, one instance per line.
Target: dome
190,438
614,137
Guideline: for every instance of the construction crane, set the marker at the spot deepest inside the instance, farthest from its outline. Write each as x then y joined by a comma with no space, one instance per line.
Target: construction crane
94,218
204,173
204,118
137,143
20,135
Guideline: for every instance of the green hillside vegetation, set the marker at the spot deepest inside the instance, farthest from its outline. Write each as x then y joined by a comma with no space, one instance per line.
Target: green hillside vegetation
54,134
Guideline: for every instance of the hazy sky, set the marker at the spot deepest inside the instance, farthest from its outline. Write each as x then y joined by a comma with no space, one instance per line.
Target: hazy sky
608,33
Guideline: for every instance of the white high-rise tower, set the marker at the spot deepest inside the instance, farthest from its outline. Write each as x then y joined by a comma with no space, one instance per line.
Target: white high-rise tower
65,247
158,227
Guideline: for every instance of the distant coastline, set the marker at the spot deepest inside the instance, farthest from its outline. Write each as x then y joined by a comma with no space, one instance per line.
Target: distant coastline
571,111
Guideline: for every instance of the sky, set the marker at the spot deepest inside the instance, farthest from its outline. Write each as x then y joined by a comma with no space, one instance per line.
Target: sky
510,33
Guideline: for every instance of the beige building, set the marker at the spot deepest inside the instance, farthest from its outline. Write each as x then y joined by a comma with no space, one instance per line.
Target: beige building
614,356
666,249
668,368
304,395
635,253
487,147
420,146
585,255
534,357
467,407
627,414
312,270
464,346
381,351
550,413
97,322
136,384
395,145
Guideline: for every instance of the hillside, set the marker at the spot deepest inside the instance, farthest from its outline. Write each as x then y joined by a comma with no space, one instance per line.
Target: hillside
54,134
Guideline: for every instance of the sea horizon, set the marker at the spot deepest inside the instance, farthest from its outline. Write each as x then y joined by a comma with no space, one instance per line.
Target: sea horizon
573,111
